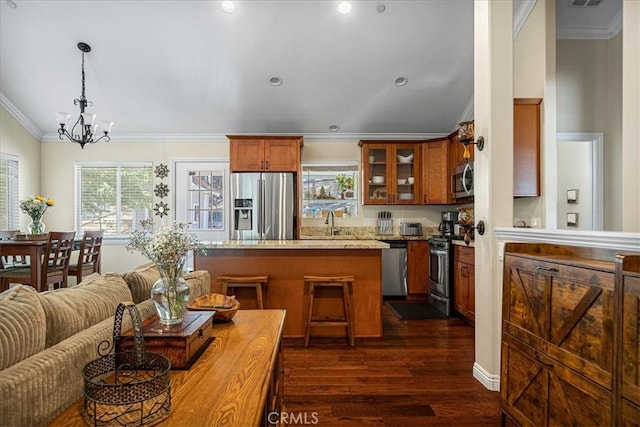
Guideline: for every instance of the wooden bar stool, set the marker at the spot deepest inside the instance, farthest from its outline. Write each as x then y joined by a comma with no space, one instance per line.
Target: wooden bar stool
342,282
236,281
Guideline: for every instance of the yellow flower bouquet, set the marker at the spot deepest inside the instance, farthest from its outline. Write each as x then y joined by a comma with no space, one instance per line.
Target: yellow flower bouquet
35,207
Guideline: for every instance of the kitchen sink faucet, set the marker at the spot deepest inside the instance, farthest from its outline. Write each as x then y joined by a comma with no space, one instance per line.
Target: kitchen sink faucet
334,230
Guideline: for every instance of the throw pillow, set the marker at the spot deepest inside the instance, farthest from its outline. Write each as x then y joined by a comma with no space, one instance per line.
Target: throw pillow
22,325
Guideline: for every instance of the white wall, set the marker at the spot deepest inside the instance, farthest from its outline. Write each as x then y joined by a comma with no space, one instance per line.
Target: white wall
14,139
58,182
589,99
529,82
576,156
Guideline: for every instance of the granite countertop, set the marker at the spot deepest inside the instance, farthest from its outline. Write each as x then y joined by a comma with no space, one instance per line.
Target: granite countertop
295,244
358,233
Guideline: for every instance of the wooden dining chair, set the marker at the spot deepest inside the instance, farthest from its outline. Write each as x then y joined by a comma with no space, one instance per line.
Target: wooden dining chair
55,264
11,261
89,256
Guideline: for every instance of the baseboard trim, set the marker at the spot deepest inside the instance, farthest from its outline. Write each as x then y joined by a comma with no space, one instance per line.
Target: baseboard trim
490,381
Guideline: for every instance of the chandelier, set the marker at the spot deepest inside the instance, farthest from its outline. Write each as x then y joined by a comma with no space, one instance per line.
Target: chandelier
84,129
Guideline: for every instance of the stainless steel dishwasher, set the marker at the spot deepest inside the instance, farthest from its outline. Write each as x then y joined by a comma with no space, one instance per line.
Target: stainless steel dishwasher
394,269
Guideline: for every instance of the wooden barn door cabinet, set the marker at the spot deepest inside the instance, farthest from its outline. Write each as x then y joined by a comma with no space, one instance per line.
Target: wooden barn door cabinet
628,277
561,363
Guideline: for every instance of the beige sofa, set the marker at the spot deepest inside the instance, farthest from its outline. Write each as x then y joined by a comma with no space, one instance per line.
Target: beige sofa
47,338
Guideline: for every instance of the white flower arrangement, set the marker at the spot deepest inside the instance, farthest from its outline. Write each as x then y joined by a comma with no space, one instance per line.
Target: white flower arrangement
168,245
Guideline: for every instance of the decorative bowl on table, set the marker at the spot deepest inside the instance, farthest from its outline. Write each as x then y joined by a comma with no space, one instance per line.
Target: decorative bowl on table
225,306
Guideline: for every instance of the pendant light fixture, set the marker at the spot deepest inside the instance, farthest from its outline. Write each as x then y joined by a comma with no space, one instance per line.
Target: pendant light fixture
84,129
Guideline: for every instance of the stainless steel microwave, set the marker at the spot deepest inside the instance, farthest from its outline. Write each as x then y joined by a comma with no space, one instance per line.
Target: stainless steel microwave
462,181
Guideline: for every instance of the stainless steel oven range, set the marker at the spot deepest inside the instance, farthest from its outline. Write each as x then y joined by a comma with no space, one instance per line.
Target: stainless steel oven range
440,273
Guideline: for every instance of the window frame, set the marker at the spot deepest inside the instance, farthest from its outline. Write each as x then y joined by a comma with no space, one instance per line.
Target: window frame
12,202
78,166
353,165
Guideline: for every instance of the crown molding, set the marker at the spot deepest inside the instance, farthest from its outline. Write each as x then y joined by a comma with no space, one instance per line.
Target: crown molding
521,15
222,138
20,118
592,33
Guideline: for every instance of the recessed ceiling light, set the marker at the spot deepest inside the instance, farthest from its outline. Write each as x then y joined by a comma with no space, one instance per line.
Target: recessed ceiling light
381,8
228,6
401,81
344,7
11,4
334,128
275,81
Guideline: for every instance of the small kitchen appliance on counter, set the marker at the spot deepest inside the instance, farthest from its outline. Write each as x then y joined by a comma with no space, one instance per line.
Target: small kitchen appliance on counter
411,229
447,225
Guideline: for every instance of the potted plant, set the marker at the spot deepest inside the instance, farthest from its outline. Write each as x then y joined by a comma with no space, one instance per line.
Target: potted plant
345,184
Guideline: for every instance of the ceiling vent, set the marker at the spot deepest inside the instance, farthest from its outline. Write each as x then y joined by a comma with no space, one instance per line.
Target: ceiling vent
584,3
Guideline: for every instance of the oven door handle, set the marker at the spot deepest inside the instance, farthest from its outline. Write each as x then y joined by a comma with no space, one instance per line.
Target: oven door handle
441,269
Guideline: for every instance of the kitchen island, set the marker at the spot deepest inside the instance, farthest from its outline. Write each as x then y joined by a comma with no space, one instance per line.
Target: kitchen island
287,262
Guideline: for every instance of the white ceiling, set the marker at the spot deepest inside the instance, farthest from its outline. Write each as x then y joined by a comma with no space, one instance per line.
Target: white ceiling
186,70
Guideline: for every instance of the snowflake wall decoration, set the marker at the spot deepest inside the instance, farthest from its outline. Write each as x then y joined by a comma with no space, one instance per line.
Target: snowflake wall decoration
161,190
161,209
162,171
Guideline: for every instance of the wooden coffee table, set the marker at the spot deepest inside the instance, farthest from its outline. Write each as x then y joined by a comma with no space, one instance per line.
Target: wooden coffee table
236,381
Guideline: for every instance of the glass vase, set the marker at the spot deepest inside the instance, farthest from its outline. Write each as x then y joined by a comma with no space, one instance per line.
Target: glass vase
170,293
36,226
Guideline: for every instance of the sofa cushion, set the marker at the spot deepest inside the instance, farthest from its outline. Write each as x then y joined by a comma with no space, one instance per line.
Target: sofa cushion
71,310
141,280
22,325
42,386
199,283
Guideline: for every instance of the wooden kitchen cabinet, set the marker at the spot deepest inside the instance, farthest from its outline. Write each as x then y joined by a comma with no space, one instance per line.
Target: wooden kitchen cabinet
464,282
417,269
264,154
526,147
558,353
440,157
390,172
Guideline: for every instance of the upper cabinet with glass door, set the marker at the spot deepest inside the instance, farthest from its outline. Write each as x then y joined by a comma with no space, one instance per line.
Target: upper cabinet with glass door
391,172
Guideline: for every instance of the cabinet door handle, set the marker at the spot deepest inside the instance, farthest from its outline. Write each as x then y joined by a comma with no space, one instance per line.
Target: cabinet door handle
266,165
542,267
261,165
539,360
424,199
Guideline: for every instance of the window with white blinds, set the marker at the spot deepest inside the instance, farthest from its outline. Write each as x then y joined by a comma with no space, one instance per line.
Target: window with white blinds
112,197
9,204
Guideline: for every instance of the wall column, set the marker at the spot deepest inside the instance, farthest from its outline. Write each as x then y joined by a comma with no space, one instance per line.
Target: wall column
630,116
493,180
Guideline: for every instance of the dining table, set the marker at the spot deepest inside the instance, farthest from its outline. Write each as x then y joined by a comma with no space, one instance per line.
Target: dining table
34,249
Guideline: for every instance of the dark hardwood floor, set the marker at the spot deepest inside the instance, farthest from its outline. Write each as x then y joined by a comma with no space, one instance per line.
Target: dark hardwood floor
419,373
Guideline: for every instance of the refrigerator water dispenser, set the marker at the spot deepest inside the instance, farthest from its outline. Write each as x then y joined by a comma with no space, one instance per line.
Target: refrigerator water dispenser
243,214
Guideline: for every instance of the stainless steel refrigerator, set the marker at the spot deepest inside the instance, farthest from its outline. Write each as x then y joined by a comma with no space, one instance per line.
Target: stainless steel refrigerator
264,206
